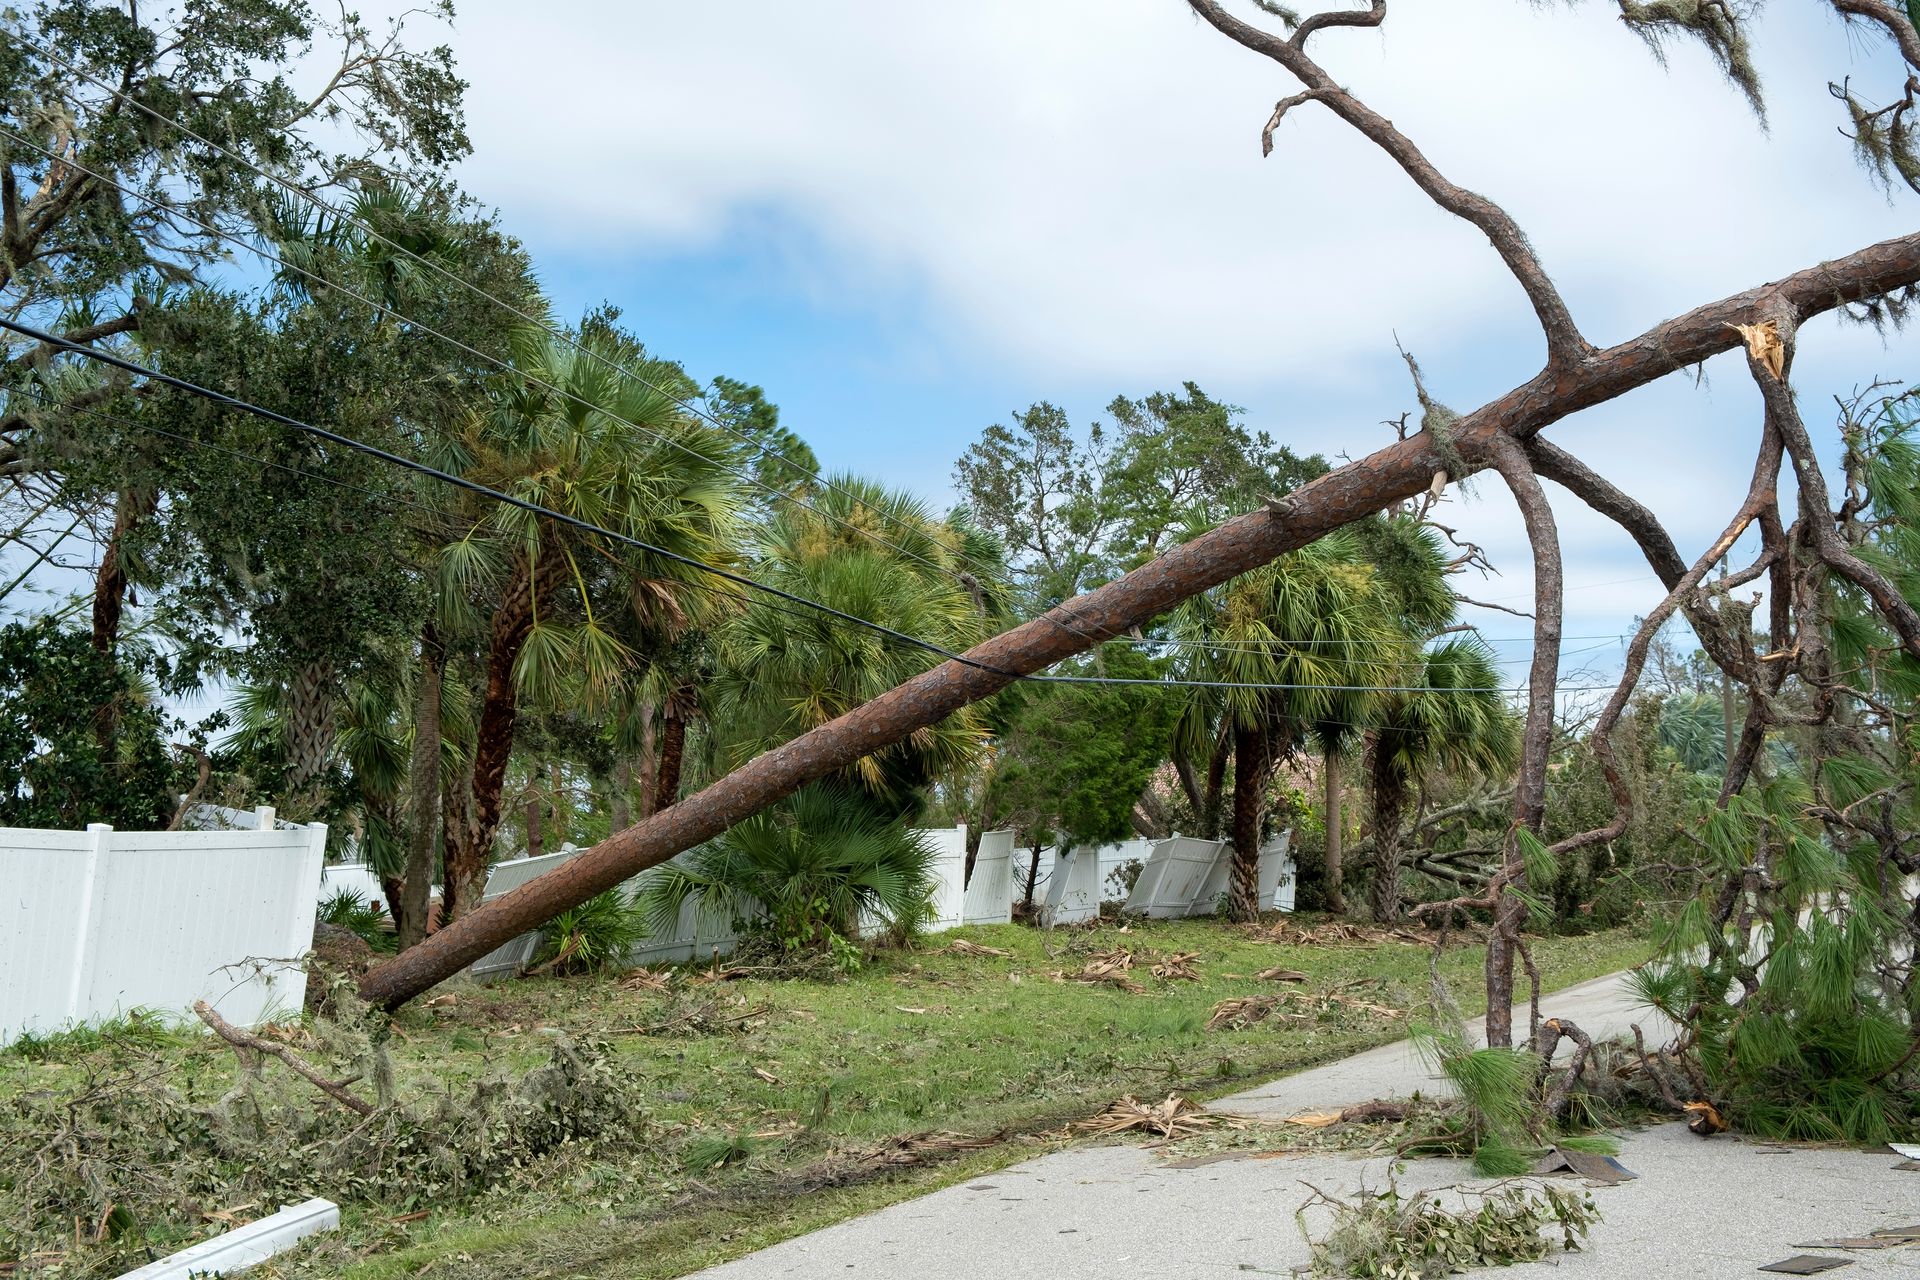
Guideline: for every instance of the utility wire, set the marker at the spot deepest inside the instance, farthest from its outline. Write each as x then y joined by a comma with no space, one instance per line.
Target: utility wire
762,449
499,363
231,402
471,486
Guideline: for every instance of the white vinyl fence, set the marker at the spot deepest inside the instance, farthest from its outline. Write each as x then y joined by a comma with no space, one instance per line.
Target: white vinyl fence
700,934
99,922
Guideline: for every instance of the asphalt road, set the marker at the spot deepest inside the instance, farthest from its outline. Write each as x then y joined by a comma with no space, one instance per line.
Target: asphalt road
1701,1209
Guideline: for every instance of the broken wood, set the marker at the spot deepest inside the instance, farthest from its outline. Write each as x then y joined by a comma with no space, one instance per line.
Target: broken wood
250,1043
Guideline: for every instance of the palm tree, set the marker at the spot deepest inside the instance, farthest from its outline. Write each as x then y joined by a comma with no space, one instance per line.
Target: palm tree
612,448
1450,716
1294,640
879,555
1411,568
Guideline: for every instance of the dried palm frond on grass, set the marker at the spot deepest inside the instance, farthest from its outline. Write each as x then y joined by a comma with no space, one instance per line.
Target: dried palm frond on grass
961,947
1107,967
1244,1011
909,1149
647,980
1279,974
1338,933
1177,967
1172,1117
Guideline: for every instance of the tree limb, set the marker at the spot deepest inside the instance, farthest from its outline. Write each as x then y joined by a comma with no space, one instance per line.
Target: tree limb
335,1089
1564,343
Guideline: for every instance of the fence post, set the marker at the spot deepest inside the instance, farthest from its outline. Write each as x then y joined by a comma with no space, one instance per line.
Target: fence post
93,888
263,818
312,867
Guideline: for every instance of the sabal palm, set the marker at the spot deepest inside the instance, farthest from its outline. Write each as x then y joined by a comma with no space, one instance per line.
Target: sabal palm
610,447
878,555
1295,640
1411,569
1451,716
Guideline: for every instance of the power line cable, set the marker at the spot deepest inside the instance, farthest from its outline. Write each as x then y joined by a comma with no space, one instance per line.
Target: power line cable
504,365
472,486
762,449
231,402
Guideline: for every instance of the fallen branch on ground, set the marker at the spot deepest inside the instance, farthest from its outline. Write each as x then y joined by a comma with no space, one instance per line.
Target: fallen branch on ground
244,1042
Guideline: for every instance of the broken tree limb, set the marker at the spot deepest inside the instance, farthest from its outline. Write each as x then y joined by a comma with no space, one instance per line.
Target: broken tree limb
335,1089
1353,492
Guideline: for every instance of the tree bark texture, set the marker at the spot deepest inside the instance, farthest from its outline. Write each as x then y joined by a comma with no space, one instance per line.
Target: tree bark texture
423,784
1252,765
1352,492
1389,803
1336,894
470,843
673,752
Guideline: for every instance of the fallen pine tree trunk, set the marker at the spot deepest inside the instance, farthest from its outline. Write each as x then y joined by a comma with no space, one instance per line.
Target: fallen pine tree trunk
1351,493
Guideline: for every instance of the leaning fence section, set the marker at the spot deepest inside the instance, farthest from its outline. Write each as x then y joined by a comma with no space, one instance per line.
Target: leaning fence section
97,923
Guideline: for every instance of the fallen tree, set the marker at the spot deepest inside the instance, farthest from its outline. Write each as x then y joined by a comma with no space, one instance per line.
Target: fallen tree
1498,435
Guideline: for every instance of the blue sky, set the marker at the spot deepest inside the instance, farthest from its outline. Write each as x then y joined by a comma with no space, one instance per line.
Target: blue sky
907,222
907,225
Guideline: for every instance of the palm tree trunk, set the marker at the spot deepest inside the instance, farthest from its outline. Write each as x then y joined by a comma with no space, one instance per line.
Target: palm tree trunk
1389,798
110,580
310,729
423,777
469,855
1216,781
620,794
1251,762
536,835
673,750
1336,897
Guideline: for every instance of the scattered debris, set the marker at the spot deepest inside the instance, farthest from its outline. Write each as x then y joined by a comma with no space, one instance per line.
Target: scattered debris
1243,1011
1281,975
1806,1264
1385,1234
1907,1149
1174,1117
912,1149
1704,1119
245,1245
961,947
1585,1164
1177,967
1851,1242
1340,933
245,1043
1106,967
696,1016
646,980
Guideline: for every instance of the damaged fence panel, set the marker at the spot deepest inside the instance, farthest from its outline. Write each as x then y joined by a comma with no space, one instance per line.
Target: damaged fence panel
243,1247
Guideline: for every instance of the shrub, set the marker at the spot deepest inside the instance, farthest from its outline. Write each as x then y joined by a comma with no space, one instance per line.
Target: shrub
804,874
593,936
348,910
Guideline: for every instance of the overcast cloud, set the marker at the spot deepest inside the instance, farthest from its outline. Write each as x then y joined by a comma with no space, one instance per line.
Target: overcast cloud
1070,195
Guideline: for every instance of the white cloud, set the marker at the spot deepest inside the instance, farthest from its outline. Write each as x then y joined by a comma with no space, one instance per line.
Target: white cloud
1077,187
1072,194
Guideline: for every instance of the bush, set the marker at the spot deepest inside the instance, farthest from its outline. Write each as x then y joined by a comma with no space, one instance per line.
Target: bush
348,910
593,936
804,874
82,737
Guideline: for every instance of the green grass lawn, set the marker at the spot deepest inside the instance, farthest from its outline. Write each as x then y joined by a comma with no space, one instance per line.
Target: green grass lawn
796,1079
